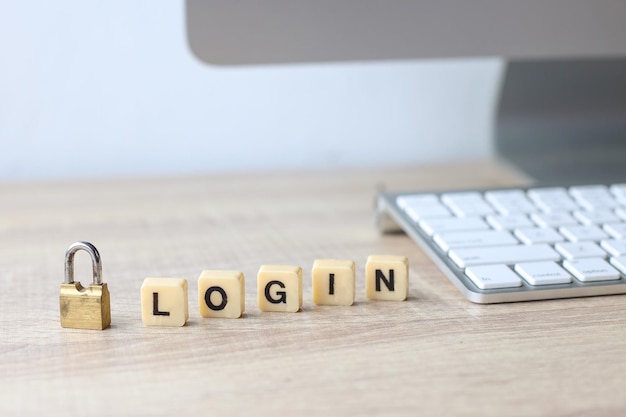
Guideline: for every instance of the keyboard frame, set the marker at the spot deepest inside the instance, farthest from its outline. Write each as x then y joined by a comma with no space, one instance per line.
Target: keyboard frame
391,218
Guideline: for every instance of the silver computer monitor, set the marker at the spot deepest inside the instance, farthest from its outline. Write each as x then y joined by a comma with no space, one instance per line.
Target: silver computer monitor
562,109
281,31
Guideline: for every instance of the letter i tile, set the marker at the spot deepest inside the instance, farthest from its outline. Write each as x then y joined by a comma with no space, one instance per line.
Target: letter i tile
333,282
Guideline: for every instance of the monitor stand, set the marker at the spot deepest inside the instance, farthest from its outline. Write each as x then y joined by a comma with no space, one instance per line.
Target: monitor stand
564,121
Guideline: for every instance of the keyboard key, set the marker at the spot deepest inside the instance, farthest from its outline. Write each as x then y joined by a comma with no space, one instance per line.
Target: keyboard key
553,219
580,233
575,250
614,247
538,235
616,230
507,193
621,200
621,213
552,199
543,273
514,221
548,192
454,224
465,204
419,206
470,208
599,203
619,262
594,197
493,276
511,202
618,190
447,241
408,200
416,213
447,198
596,217
502,255
588,190
552,206
592,269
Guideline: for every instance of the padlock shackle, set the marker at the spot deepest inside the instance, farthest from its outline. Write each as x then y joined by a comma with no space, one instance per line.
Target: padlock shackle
96,264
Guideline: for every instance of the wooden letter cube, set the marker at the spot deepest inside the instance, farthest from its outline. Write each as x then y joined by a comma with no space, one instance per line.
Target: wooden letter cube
221,294
387,277
164,302
333,282
279,288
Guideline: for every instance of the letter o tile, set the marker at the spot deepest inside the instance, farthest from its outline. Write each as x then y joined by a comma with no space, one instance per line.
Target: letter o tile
221,294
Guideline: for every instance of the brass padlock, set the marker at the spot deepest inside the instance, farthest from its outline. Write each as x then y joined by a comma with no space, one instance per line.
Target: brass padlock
84,308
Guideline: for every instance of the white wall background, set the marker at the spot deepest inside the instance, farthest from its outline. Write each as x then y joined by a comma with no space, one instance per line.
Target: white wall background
100,89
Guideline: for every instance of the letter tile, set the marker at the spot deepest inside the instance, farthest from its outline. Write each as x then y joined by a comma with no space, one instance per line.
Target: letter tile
164,302
333,282
387,277
279,288
221,294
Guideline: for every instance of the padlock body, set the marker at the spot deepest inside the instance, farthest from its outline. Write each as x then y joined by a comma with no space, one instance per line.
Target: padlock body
85,308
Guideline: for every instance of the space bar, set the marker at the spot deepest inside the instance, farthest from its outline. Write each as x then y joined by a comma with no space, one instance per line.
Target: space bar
503,255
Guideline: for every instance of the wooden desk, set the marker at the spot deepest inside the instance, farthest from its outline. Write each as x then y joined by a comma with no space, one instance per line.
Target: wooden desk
436,354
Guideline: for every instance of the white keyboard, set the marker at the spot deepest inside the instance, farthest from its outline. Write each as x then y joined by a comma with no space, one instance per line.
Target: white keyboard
520,244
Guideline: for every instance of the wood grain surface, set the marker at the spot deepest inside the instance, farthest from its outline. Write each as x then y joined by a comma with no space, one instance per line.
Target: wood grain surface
435,354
